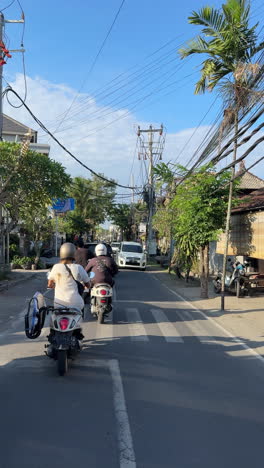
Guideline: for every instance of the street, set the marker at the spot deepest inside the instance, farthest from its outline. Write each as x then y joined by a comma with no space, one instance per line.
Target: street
156,386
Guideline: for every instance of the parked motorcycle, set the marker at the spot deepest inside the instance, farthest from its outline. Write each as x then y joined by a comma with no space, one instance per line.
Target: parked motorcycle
101,301
48,253
235,281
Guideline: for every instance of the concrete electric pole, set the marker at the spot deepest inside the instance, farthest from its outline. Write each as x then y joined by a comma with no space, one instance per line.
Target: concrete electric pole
4,242
3,53
149,150
1,74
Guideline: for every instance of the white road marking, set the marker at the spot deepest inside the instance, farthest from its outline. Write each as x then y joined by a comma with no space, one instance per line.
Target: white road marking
167,329
197,329
135,325
220,327
127,457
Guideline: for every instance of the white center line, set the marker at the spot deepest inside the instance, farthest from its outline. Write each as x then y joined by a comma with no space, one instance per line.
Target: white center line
127,457
136,328
167,329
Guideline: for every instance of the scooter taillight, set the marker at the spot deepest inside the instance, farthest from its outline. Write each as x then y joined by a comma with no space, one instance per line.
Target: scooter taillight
64,322
103,300
103,292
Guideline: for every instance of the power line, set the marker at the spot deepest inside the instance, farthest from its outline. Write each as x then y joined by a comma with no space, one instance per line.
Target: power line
11,90
214,160
95,60
137,102
105,112
10,4
100,91
241,158
195,130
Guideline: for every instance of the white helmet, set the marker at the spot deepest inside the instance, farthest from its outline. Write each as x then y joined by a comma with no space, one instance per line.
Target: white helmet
100,249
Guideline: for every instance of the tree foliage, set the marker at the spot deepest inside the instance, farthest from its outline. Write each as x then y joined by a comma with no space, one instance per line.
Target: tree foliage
120,215
29,181
199,206
93,203
200,203
226,38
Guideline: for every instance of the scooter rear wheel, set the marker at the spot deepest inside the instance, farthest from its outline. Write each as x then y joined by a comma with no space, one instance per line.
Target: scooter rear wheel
62,361
101,316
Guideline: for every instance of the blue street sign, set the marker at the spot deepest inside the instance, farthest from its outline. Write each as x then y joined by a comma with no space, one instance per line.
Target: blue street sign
61,206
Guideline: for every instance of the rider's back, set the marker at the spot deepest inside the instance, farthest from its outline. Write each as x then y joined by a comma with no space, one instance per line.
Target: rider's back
104,269
66,291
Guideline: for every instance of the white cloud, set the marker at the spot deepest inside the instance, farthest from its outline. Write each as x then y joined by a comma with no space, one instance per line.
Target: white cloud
109,151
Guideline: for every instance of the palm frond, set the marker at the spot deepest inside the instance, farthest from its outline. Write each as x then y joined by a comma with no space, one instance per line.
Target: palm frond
196,46
210,18
255,49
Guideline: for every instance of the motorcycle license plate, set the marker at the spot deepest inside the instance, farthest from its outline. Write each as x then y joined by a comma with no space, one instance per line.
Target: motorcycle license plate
62,339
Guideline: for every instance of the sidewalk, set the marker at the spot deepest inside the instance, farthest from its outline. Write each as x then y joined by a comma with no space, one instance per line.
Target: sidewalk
244,317
17,276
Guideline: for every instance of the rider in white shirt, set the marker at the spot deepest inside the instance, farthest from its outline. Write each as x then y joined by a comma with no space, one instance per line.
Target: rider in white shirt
66,289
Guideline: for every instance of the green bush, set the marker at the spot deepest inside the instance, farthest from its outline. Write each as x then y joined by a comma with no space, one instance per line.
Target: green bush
22,262
13,251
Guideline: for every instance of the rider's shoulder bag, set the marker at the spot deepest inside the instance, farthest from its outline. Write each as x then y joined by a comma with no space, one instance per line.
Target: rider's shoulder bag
80,286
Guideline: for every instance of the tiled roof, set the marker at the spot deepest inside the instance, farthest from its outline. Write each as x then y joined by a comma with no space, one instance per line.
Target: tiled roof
253,201
248,180
13,126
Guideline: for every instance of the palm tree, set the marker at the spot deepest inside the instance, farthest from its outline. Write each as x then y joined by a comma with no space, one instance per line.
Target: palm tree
231,46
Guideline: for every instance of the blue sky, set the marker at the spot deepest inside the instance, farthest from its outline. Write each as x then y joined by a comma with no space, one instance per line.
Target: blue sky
62,38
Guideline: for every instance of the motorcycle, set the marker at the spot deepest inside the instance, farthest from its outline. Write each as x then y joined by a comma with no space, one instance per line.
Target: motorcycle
234,281
65,337
101,301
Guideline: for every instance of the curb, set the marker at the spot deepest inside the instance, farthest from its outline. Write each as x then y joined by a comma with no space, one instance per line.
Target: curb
10,283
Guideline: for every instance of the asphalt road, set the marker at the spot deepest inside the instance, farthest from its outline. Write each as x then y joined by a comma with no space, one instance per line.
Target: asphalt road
157,386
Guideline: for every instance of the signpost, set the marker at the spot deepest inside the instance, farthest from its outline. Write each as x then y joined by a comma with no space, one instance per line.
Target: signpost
61,206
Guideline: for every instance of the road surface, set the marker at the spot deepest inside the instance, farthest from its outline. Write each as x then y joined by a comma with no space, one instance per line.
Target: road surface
157,386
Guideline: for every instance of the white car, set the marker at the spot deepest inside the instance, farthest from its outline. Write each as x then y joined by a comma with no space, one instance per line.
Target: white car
115,247
131,255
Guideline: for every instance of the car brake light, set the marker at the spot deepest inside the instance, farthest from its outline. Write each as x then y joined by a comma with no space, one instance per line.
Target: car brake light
103,292
103,300
64,322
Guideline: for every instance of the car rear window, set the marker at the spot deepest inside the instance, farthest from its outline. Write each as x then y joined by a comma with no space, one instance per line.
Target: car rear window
132,248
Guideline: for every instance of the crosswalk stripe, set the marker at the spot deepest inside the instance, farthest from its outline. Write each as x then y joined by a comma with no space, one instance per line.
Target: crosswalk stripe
197,329
135,325
167,329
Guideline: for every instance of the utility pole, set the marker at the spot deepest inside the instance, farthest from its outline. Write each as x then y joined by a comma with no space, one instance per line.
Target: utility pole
4,52
1,74
133,208
4,251
153,148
